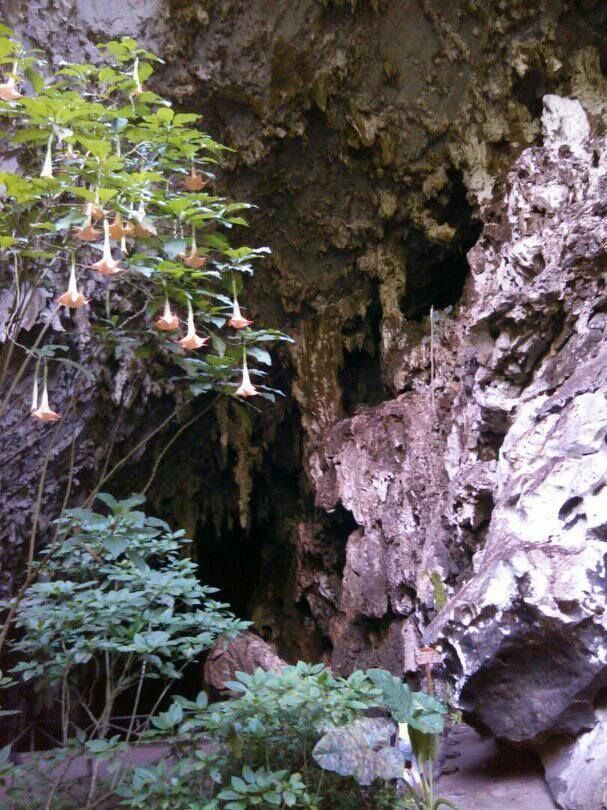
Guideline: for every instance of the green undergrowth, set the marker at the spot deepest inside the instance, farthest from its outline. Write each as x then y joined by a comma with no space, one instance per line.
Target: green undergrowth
117,613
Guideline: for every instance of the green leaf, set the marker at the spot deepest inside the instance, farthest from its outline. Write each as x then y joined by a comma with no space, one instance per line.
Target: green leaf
261,355
396,695
362,750
108,500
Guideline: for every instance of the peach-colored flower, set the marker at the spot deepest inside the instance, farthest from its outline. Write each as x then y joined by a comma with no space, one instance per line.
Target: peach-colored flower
195,181
95,211
107,265
118,229
246,388
72,298
167,322
192,259
8,90
192,340
142,226
86,233
237,320
45,413
47,166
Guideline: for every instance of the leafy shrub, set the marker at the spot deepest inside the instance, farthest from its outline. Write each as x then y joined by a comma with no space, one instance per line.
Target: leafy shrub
273,724
306,722
117,593
262,787
117,605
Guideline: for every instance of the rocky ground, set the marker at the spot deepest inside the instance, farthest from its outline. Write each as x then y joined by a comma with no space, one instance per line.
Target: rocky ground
477,775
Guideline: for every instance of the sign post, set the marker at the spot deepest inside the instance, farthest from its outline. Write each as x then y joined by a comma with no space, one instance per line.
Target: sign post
426,657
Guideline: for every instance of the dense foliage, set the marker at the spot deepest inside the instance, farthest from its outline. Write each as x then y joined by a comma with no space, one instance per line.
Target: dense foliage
112,193
117,605
117,592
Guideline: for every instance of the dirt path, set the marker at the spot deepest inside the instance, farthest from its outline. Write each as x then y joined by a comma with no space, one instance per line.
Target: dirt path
478,776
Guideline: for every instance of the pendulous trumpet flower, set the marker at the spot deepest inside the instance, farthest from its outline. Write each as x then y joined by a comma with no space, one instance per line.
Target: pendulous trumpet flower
44,412
35,392
192,340
107,265
47,166
246,388
94,211
87,233
192,259
167,322
138,88
142,226
8,90
237,320
195,181
72,298
118,229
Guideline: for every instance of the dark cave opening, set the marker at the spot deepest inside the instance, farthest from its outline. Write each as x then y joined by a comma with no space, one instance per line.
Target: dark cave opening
437,271
230,559
530,89
361,373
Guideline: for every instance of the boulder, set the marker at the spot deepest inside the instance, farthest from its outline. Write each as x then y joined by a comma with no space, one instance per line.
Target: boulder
245,653
575,767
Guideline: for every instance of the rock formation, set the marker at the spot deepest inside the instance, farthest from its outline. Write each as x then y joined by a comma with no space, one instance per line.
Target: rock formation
451,424
245,653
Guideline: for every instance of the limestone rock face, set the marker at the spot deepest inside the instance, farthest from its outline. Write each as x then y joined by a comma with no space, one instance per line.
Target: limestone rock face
528,632
497,490
575,769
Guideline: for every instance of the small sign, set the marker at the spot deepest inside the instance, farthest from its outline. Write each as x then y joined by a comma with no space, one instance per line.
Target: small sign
427,656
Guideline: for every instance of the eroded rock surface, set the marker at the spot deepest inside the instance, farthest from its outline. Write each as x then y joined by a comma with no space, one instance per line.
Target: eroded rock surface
528,633
498,493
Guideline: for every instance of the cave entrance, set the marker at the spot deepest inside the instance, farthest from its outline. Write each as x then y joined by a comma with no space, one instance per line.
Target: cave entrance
230,559
361,374
437,271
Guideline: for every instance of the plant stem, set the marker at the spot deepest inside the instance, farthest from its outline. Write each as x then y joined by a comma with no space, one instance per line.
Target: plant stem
432,360
172,441
131,453
136,703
